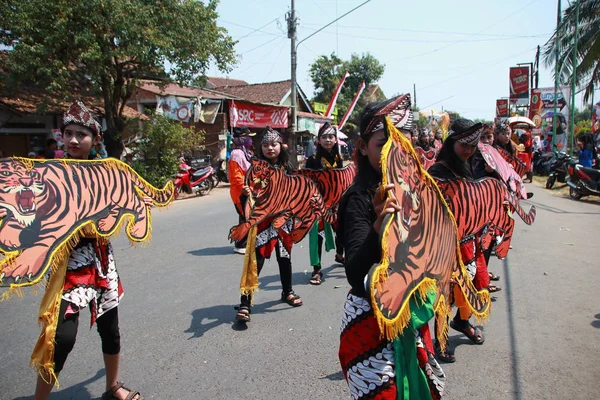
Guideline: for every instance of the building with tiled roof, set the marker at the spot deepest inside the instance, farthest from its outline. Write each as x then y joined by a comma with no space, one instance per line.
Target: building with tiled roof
276,93
214,82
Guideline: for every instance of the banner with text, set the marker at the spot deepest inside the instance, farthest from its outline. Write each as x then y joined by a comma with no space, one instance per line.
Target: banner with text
256,115
519,85
502,108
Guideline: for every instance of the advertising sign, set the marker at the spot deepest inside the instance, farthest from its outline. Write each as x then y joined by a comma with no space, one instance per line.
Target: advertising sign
501,108
535,110
596,118
256,115
519,85
547,114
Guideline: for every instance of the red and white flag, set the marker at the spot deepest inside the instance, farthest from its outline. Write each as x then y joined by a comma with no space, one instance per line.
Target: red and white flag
335,96
352,105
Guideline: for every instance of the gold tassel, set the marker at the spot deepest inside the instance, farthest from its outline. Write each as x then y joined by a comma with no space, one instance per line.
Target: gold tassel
42,358
249,281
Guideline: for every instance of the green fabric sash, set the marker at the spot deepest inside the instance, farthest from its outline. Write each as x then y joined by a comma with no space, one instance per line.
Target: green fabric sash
313,242
411,381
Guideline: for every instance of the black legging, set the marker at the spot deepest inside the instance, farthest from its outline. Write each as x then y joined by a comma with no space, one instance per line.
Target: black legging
339,249
66,333
241,244
285,273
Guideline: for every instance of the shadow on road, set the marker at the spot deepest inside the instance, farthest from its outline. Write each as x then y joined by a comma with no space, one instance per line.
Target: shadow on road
338,376
212,251
596,323
205,319
78,391
516,373
555,210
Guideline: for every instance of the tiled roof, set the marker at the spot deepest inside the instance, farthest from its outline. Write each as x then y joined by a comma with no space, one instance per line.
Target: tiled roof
28,100
268,93
183,91
217,82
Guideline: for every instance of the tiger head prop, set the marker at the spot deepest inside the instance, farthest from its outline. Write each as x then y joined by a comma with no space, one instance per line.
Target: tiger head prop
23,192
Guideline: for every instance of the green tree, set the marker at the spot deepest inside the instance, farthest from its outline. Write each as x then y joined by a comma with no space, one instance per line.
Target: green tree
156,154
582,115
326,73
588,45
106,46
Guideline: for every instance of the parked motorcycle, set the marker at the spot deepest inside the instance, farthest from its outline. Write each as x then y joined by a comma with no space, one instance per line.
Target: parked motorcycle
541,162
559,169
583,181
198,181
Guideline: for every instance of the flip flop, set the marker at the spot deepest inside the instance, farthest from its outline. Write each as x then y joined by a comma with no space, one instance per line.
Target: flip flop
494,288
493,277
465,331
316,278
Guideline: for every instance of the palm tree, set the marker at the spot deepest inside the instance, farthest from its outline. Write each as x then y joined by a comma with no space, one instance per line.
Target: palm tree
588,46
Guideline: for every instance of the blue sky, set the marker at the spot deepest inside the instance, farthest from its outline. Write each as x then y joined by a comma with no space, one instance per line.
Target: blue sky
458,53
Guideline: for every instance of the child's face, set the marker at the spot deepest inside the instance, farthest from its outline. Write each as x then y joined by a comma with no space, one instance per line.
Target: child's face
79,141
464,151
503,137
271,150
487,138
327,141
373,148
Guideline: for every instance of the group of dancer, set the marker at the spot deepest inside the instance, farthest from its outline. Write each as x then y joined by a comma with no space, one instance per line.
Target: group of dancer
367,358
375,367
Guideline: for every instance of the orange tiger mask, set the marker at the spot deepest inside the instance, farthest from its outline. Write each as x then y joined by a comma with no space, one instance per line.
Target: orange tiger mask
50,202
419,244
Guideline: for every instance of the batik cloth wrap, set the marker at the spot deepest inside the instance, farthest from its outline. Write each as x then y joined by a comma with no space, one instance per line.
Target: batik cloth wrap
376,368
89,279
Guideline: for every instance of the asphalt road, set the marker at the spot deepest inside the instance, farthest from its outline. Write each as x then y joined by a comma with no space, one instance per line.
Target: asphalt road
179,340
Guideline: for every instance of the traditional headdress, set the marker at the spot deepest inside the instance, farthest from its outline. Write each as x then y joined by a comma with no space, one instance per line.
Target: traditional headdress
501,126
466,131
242,132
327,129
399,112
270,135
79,114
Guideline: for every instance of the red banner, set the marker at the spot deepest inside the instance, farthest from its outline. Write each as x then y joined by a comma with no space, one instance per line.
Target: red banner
256,115
519,85
535,110
502,108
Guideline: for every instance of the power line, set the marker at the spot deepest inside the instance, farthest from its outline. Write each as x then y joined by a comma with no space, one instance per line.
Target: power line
435,41
420,31
261,45
261,58
259,29
471,71
459,41
252,29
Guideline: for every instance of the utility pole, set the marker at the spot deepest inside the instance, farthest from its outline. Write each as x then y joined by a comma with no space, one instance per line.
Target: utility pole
556,77
415,94
537,67
573,83
292,22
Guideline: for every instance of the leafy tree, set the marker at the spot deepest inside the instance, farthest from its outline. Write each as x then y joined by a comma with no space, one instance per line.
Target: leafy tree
327,71
156,154
588,45
108,45
582,115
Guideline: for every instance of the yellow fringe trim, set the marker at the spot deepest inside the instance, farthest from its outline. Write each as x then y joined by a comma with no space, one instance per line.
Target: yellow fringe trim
391,329
249,280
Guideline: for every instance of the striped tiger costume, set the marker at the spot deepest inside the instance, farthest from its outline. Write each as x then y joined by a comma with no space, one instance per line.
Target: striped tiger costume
51,202
518,165
482,208
332,183
282,197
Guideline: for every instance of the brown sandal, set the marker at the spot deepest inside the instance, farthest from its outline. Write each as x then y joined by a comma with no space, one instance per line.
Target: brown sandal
110,393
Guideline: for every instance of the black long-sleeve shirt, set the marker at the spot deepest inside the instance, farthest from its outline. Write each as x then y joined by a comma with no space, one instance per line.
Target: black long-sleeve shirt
356,216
